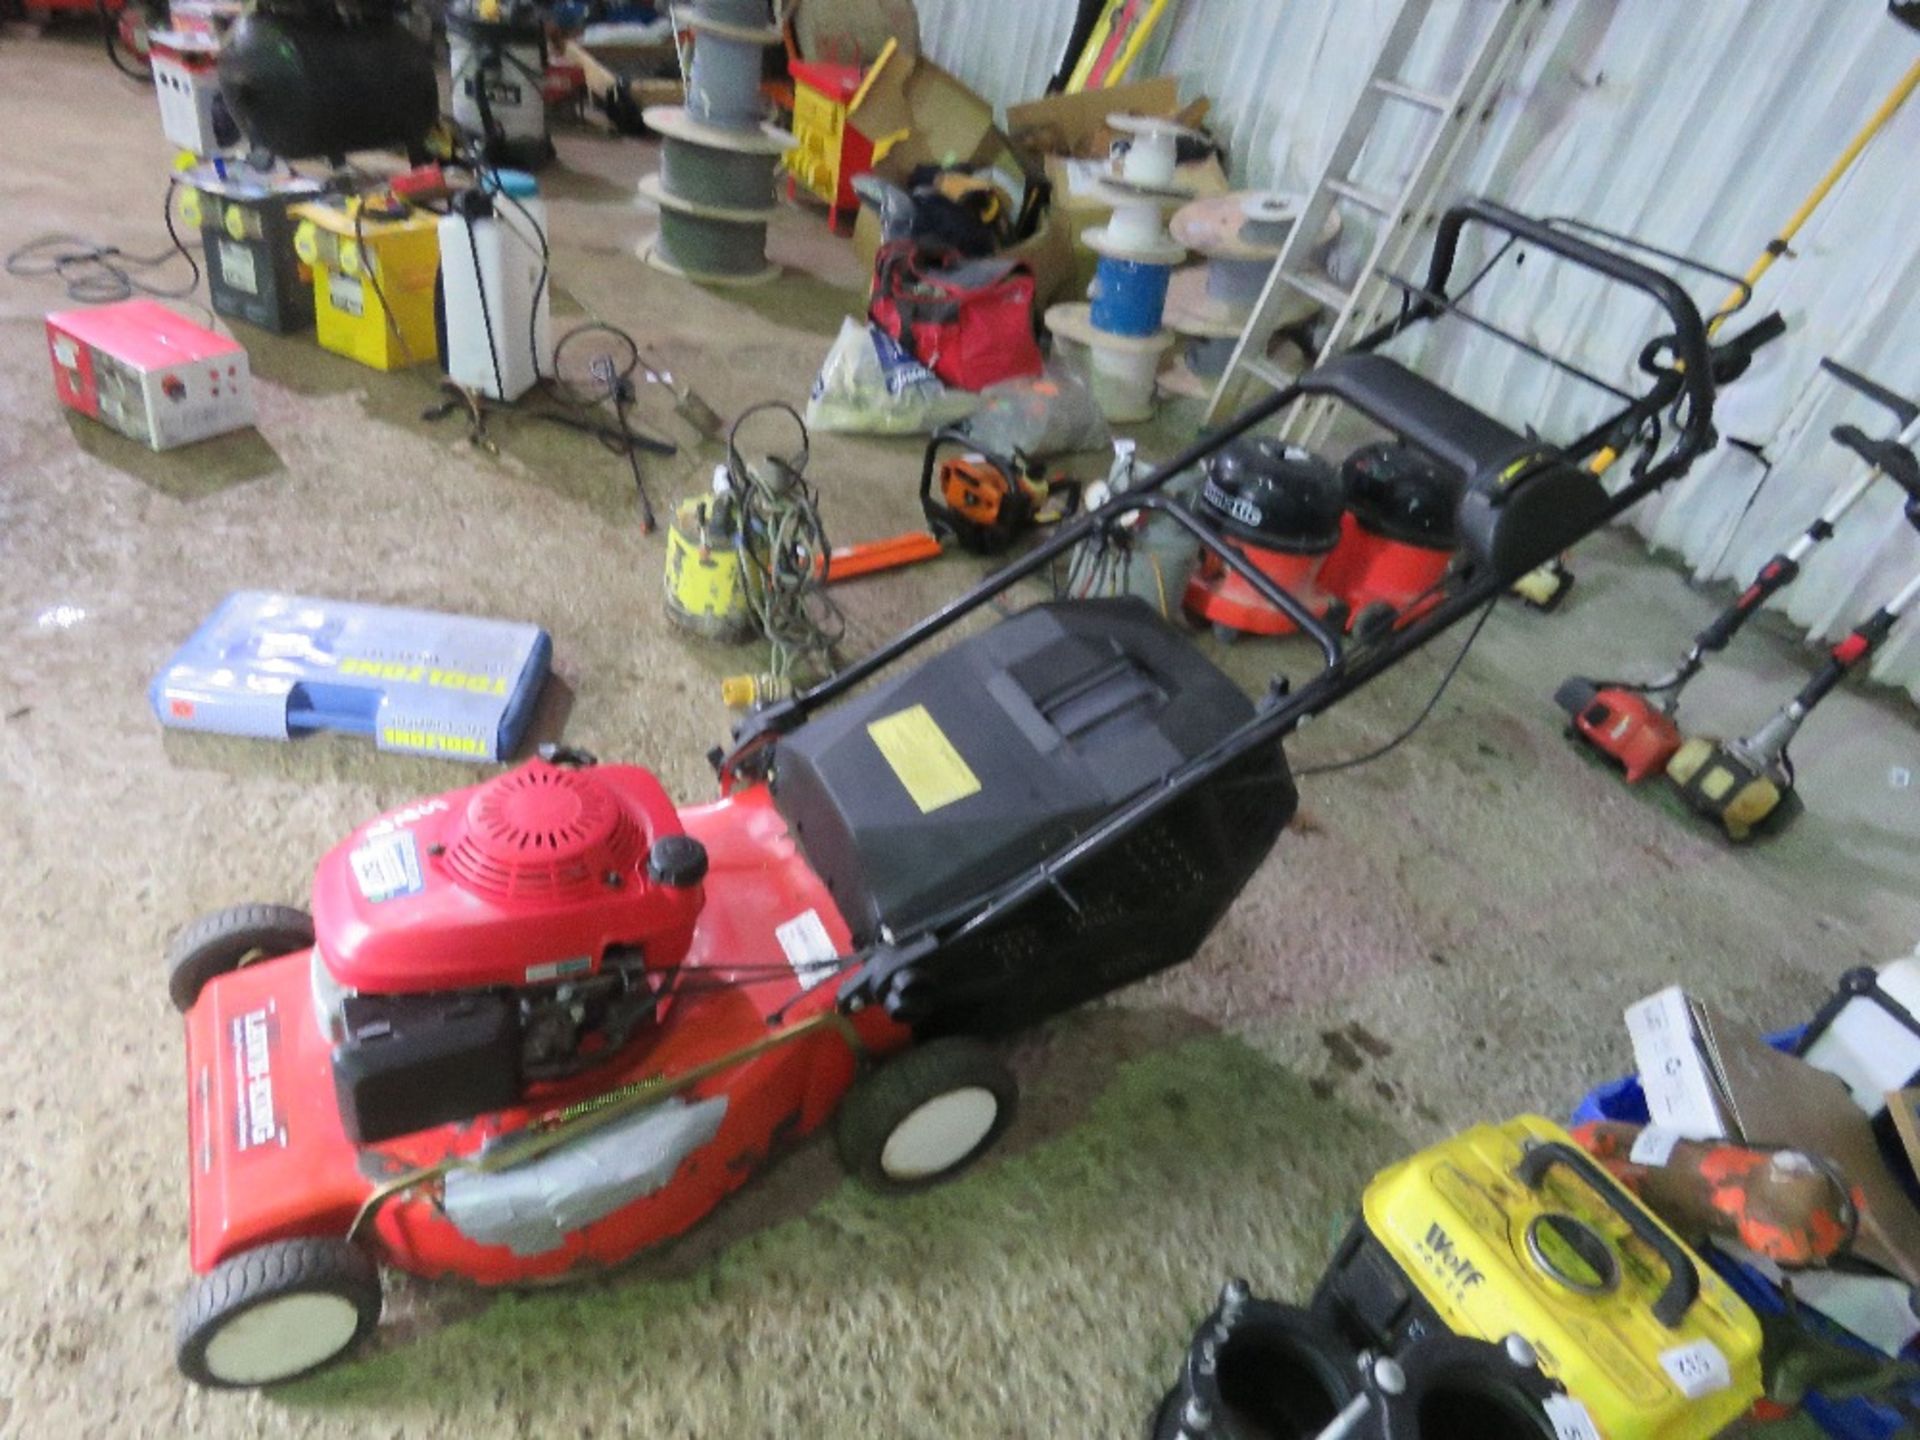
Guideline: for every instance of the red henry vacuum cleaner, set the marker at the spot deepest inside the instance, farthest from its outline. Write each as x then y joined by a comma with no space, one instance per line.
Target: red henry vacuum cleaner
1397,539
1632,724
1279,506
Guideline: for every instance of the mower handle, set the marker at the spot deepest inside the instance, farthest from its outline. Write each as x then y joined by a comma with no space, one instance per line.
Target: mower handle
1692,354
1683,1276
1902,409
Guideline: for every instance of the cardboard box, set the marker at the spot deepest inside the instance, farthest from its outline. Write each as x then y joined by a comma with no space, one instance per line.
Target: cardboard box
915,113
149,373
1077,124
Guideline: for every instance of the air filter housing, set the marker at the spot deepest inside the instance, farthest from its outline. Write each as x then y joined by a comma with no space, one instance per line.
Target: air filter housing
526,880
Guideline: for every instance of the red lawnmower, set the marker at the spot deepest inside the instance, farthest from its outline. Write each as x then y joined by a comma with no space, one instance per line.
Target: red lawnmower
535,1026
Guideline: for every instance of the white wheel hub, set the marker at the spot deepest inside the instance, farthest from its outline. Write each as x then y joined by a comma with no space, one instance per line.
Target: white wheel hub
939,1133
282,1337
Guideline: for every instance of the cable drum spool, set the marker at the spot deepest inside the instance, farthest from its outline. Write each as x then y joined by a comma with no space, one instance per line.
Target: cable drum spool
715,186
723,86
1239,236
707,175
710,246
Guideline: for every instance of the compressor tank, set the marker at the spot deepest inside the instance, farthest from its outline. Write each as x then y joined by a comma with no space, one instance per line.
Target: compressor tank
302,88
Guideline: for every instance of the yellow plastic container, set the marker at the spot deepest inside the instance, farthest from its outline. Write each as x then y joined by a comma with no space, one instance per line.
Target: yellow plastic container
372,283
1502,1230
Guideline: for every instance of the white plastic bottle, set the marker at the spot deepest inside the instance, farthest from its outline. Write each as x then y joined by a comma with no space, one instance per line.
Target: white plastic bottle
492,269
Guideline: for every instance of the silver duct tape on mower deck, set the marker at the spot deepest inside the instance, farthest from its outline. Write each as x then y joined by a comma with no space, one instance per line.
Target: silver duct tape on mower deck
532,1208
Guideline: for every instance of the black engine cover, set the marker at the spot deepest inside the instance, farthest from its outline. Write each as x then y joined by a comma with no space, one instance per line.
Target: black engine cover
412,1061
1059,716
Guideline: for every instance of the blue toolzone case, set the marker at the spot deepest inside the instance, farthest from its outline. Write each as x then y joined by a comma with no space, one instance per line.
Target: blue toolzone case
274,666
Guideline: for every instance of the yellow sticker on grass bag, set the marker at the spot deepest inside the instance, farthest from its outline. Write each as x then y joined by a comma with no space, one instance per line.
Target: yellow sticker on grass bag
923,759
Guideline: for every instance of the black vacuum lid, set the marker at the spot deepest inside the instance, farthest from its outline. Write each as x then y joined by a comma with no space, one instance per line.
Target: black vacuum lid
1396,491
1275,495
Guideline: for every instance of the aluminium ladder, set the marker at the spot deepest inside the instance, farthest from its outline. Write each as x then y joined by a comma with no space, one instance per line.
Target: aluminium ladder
1401,220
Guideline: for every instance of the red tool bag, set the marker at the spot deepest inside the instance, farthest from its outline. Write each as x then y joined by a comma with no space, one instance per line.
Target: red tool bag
969,321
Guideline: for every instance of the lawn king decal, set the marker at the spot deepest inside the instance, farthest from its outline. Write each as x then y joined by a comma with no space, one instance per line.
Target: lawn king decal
255,1036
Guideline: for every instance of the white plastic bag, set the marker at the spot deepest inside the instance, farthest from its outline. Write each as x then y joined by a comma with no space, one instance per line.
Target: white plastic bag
870,386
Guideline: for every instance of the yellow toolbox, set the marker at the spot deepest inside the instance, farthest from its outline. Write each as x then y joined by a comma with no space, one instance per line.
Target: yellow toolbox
1513,1229
372,281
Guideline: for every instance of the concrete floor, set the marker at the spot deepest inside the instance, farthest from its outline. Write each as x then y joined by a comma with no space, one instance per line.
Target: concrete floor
1447,936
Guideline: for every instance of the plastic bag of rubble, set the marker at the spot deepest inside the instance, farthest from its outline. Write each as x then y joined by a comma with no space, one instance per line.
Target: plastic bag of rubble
869,385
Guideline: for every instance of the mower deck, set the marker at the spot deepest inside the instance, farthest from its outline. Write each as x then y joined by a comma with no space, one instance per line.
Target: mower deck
271,1160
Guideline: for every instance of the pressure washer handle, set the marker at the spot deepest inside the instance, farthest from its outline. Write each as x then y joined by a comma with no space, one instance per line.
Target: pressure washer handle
1691,350
1683,1276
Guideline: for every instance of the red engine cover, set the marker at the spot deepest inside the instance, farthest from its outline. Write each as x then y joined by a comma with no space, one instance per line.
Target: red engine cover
523,880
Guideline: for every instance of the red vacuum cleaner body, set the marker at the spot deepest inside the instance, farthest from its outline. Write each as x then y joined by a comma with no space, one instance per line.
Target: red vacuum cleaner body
1280,507
1397,538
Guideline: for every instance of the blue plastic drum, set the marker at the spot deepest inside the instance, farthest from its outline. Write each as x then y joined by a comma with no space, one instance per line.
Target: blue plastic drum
1129,297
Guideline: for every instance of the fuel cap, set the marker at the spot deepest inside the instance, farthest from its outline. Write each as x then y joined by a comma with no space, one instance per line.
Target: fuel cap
677,860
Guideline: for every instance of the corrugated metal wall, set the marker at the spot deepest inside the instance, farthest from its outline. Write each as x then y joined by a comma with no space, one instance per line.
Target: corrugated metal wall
1697,127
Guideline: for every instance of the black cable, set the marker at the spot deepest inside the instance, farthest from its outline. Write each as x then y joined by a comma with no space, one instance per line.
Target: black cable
372,272
1433,701
102,274
486,311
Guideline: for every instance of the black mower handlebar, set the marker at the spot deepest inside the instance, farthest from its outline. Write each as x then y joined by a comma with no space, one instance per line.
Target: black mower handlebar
1693,355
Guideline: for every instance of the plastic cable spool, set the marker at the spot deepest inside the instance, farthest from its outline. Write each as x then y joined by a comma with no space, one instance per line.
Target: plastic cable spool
1274,495
1396,492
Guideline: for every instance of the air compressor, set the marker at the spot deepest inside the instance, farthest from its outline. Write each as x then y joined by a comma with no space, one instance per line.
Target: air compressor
1280,506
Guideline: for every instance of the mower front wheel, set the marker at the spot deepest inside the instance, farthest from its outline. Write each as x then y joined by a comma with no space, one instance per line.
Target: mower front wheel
228,939
926,1115
276,1312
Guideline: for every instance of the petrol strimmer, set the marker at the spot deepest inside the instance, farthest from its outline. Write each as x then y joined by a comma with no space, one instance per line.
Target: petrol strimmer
1745,784
1632,724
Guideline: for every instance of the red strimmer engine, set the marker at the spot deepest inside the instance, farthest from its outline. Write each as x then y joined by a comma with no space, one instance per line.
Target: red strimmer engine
488,940
1279,505
1397,539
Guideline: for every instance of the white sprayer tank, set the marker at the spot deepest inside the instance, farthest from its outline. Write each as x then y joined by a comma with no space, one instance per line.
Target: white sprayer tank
491,246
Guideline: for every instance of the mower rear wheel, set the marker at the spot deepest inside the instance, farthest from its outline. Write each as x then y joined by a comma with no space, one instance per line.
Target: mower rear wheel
275,1312
926,1115
228,939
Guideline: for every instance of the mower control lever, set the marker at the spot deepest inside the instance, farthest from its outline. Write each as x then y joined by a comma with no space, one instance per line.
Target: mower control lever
1890,457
